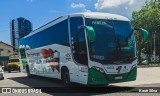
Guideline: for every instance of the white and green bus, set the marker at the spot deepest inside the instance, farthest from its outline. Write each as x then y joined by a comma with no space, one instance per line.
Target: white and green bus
87,48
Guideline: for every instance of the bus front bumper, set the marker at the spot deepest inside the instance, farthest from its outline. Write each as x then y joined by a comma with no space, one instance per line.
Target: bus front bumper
97,78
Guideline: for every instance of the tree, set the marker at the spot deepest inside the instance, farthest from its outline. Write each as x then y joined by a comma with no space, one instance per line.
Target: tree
148,18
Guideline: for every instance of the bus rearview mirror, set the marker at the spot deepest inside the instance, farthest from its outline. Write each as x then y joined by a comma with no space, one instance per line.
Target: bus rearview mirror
90,32
144,33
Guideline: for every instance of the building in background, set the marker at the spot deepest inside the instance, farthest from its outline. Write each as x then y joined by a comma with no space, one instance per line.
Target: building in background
19,28
5,51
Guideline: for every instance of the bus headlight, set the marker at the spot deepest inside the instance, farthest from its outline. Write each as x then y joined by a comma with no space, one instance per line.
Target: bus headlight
98,69
133,66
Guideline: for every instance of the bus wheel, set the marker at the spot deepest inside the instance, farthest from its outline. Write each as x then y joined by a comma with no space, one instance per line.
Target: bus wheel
28,72
9,70
65,77
19,69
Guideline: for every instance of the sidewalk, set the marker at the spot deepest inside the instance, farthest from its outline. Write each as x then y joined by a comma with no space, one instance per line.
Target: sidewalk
146,65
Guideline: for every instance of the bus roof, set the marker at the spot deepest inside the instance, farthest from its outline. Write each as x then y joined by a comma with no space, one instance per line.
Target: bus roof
100,15
95,15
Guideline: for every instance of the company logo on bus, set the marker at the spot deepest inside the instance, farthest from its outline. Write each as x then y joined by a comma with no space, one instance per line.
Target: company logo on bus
110,67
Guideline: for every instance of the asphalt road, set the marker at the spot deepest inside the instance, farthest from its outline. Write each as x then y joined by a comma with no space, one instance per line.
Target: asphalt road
147,77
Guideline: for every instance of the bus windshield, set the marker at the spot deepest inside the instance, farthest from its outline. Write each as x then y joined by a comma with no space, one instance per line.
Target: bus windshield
114,41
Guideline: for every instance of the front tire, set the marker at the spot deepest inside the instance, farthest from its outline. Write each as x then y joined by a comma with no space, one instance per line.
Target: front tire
66,77
2,78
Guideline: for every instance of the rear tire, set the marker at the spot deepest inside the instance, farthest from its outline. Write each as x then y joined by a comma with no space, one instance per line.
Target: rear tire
9,70
19,69
28,72
65,77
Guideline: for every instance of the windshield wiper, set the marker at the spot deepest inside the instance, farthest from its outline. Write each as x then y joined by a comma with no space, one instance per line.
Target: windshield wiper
119,50
118,47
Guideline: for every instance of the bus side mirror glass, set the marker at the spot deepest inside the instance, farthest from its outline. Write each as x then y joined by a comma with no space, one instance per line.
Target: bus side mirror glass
144,33
90,34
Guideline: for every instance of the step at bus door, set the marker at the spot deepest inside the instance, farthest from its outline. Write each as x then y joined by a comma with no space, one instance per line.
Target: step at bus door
83,74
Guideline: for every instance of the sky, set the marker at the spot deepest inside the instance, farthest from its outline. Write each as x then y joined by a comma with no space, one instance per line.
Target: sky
40,12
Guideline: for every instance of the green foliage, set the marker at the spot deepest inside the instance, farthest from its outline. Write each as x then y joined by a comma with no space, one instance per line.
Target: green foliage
148,18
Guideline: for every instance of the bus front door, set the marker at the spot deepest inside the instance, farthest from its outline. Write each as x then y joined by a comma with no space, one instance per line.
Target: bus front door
81,57
79,49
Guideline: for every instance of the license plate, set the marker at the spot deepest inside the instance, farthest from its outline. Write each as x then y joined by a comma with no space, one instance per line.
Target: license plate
118,78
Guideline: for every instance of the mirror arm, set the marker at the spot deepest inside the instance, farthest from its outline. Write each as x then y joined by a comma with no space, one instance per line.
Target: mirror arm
82,26
137,28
